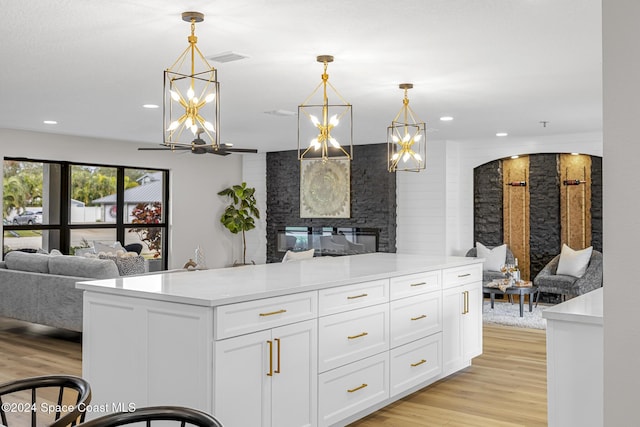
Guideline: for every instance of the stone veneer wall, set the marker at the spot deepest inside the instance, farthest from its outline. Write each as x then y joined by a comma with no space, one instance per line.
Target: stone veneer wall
544,208
487,204
373,197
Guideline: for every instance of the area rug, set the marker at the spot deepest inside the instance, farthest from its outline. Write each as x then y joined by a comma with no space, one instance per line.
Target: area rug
505,313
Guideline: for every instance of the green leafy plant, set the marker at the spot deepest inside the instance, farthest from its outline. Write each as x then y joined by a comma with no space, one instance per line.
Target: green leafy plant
241,213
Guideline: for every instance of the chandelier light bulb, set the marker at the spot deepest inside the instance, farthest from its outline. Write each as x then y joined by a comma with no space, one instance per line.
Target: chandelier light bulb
210,98
209,126
334,142
175,96
333,121
173,126
190,94
314,120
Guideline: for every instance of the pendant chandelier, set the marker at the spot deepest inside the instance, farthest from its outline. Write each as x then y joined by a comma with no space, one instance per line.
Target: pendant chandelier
406,139
191,95
325,130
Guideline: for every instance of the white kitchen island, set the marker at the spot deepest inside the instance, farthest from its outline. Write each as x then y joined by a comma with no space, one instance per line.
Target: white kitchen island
575,361
318,342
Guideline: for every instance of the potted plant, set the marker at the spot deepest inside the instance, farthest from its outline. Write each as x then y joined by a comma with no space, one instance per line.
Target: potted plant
239,215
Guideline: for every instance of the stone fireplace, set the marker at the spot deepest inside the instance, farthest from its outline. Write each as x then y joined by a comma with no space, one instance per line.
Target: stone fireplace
373,207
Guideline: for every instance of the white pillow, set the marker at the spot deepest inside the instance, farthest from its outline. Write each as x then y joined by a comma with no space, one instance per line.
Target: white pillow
574,263
494,258
297,256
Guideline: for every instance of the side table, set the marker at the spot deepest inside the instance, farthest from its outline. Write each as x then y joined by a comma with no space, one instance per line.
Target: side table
521,291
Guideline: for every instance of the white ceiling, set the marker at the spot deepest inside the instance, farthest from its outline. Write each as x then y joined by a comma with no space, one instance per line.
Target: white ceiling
494,65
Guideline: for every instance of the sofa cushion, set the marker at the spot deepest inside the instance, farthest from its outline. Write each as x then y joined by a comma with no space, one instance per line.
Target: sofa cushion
33,263
83,267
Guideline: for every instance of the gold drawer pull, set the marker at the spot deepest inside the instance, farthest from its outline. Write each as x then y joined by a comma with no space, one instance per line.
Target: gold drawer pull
418,284
352,337
419,317
418,363
358,296
360,387
464,275
273,312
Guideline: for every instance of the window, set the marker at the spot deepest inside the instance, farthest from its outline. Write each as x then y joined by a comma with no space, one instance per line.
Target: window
65,206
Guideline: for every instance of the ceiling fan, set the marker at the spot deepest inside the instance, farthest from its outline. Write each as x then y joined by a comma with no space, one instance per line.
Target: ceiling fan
199,146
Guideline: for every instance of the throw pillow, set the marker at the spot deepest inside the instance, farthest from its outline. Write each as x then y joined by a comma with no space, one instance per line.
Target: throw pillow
297,256
574,263
55,252
33,263
494,258
127,265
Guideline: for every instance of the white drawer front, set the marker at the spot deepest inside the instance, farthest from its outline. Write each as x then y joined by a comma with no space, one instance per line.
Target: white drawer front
347,337
415,317
365,294
415,363
461,275
245,317
350,389
414,284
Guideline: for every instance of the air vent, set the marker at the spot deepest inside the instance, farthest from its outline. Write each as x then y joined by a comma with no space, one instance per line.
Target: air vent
283,113
226,57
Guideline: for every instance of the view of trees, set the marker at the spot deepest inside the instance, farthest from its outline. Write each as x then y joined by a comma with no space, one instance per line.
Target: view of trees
22,184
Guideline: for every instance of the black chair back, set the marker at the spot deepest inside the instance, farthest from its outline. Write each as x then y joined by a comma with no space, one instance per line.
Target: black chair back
181,415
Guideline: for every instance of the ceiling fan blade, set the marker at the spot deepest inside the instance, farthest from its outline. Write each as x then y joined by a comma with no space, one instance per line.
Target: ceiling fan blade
164,148
240,150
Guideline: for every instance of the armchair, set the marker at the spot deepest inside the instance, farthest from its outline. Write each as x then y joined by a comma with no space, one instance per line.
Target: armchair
488,275
568,286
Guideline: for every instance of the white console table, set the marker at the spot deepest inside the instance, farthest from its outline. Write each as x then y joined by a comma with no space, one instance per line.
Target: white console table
575,360
319,342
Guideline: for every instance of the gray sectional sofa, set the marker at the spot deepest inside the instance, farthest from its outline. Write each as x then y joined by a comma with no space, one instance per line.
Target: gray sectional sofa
41,288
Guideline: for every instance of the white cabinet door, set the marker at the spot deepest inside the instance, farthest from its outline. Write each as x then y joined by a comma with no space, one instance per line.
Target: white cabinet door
268,378
452,308
241,385
461,326
295,384
472,323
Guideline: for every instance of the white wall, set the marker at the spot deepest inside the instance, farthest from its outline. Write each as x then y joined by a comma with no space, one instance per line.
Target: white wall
435,207
254,173
464,156
421,204
194,180
621,221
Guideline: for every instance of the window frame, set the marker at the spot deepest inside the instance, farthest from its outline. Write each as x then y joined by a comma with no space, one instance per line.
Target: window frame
65,226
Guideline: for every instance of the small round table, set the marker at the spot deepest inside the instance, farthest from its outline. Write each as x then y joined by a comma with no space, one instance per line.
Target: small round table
521,291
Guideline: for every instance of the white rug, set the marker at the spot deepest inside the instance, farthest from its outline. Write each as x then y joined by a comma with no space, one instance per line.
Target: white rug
505,313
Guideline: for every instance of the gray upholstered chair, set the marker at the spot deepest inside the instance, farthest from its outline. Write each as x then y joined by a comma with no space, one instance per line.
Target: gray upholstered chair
568,286
488,275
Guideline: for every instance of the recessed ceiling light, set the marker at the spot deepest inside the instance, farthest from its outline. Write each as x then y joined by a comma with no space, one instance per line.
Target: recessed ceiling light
575,154
446,118
50,122
150,106
515,157
502,134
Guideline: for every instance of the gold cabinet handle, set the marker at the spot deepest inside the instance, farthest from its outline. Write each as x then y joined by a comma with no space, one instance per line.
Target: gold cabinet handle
352,337
465,308
271,313
418,284
277,371
357,296
360,387
464,275
418,363
270,373
419,317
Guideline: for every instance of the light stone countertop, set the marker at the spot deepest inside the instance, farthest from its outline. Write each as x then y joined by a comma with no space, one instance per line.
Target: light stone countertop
236,284
587,308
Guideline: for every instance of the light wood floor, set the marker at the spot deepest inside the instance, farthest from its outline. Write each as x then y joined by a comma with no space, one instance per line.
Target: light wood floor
505,387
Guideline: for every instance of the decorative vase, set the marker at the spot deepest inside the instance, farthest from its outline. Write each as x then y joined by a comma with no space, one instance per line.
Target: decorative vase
201,263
